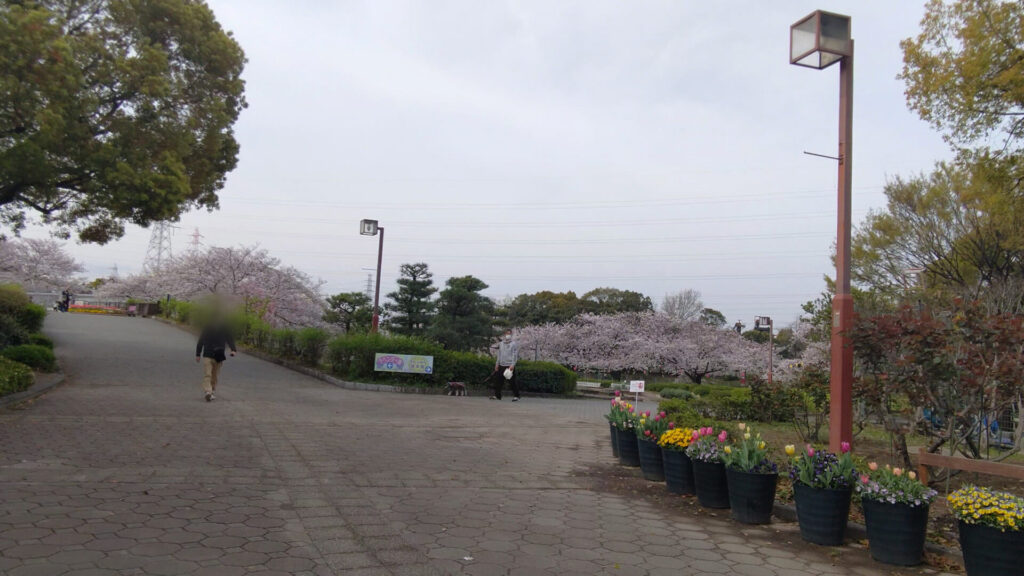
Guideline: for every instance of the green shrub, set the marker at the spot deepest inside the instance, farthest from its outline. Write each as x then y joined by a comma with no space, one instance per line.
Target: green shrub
310,345
14,377
11,332
33,355
684,415
31,317
284,343
40,340
352,356
669,393
13,299
722,403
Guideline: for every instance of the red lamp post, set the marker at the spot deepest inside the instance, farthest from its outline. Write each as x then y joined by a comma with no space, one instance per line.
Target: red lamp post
818,41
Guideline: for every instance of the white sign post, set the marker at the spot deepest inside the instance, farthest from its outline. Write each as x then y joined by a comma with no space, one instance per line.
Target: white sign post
636,387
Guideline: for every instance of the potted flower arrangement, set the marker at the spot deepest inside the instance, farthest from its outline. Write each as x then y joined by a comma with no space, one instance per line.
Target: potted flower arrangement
895,507
617,416
752,477
991,530
648,431
822,485
624,418
678,466
708,471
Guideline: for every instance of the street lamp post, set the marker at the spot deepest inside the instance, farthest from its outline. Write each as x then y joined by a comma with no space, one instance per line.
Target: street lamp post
371,228
764,324
818,41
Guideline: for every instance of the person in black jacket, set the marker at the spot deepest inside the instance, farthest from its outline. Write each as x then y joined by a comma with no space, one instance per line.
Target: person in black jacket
214,341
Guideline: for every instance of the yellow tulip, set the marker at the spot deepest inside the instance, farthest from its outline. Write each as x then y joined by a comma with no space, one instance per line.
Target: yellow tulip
790,449
728,450
760,445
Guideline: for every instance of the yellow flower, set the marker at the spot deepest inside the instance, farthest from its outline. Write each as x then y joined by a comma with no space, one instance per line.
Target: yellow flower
790,449
760,445
746,436
728,449
741,426
912,475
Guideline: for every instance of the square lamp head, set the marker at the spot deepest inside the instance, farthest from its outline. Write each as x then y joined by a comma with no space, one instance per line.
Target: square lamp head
819,40
368,227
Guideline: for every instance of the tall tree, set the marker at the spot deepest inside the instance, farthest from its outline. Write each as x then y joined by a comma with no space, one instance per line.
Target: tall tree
685,305
541,308
964,72
352,311
114,112
411,308
615,301
464,315
712,317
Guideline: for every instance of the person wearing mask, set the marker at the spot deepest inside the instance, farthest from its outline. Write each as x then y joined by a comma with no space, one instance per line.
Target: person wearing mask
505,366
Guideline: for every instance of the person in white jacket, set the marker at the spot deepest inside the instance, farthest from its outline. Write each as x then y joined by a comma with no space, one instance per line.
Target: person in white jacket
508,355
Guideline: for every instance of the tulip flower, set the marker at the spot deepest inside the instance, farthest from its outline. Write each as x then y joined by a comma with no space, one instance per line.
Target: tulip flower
723,436
864,478
728,450
761,445
671,425
912,475
897,472
664,414
873,466
741,426
810,451
746,436
790,449
617,393
844,447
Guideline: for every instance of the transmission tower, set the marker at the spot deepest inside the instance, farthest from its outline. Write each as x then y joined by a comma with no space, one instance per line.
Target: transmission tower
369,286
196,242
159,251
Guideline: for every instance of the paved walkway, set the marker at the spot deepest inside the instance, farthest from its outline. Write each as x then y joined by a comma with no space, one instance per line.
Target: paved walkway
125,470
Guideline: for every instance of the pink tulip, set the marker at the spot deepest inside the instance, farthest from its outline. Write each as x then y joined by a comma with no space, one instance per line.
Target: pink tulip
810,451
630,409
647,432
873,466
694,436
897,471
618,393
864,478
671,425
663,414
844,447
723,436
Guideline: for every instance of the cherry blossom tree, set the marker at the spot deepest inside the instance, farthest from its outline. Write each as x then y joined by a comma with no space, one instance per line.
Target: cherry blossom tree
281,295
37,263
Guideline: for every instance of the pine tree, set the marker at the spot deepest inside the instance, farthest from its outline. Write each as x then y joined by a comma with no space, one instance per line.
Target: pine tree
465,317
411,309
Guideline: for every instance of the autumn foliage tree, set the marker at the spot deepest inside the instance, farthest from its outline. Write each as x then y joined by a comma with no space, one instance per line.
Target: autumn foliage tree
966,366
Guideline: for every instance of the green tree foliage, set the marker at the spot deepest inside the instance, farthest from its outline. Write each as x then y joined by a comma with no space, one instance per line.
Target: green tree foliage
352,311
615,301
756,336
712,317
464,315
961,227
114,111
542,308
411,308
964,72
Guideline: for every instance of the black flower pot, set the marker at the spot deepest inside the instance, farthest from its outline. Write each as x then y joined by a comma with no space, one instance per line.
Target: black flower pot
896,532
991,552
629,453
650,460
712,486
751,495
615,440
678,472
822,513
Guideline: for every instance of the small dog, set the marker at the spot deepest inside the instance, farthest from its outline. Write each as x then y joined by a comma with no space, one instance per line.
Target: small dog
457,389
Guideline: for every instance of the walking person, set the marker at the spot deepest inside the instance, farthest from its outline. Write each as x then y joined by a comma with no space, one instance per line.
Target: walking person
505,366
211,350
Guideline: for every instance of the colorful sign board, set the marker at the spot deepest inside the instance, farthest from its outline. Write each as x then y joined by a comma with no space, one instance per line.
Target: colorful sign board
636,386
404,363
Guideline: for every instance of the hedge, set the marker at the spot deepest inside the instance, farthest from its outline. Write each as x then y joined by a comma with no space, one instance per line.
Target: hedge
11,332
40,340
14,377
32,355
684,415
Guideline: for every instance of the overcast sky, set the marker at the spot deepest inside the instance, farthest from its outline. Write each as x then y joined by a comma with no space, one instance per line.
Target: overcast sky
554,145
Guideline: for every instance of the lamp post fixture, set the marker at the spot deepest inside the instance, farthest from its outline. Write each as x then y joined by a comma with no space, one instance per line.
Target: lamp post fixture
818,41
764,324
371,228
